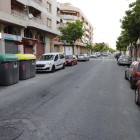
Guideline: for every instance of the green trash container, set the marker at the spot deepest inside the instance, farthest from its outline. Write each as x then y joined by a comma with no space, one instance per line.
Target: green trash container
9,69
27,65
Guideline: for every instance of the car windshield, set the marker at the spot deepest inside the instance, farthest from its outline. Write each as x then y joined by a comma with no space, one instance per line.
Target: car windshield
94,53
105,53
81,55
46,58
68,57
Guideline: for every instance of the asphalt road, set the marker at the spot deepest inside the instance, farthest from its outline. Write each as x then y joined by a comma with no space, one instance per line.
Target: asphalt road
88,101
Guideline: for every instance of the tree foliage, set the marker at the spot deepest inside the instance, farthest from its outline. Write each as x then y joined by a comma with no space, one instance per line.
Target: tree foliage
89,46
130,27
72,32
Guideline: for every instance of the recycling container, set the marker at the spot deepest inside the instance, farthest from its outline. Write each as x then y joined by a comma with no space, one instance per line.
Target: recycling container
27,66
9,69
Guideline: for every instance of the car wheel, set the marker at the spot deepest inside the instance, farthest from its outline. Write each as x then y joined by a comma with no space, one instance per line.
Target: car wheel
53,69
131,84
63,66
125,76
88,59
137,97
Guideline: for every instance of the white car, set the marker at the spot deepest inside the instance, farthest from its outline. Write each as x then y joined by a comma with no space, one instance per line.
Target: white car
93,55
50,62
98,54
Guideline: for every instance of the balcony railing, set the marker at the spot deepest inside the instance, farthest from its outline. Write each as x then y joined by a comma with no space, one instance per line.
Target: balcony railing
63,25
68,16
17,14
87,33
37,19
86,27
87,39
38,2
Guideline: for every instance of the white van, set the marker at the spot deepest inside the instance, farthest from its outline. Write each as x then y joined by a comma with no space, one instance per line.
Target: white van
50,62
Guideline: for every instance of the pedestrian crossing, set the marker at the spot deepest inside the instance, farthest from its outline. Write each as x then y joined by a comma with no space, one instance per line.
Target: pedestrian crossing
103,59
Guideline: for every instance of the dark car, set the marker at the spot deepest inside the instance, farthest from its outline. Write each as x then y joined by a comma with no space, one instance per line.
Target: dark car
132,73
71,60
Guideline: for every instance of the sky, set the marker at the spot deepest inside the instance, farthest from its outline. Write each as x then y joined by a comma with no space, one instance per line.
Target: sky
104,15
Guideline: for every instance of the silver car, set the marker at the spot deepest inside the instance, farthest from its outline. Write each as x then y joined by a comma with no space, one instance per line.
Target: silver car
124,59
84,57
93,55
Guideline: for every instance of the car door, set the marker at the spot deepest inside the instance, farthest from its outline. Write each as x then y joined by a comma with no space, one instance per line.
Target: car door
56,62
131,70
128,70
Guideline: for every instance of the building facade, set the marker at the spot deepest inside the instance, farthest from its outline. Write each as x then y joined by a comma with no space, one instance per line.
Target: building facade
69,13
28,26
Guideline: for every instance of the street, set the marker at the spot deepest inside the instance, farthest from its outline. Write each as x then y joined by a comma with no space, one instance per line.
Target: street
88,101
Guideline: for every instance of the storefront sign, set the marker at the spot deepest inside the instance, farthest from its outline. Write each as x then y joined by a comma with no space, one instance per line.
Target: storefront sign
12,37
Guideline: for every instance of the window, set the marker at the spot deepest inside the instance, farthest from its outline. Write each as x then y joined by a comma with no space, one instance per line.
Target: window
56,58
49,22
61,56
48,7
27,33
46,58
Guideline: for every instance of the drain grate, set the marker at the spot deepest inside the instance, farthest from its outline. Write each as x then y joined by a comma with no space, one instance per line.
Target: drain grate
10,132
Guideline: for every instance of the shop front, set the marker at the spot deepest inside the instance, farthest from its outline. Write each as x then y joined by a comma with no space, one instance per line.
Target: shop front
10,47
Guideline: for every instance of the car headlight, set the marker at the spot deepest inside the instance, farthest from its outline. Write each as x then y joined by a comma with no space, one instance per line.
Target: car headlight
49,63
69,60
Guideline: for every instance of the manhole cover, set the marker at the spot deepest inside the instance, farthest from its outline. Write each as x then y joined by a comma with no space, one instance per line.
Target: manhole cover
10,132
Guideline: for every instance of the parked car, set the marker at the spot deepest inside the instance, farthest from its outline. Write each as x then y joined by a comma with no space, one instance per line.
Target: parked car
93,55
98,54
137,93
50,62
132,73
105,54
84,57
102,53
71,60
124,59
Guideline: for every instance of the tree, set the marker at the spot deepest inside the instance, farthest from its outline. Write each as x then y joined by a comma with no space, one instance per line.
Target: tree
105,48
73,32
99,46
96,47
89,47
131,24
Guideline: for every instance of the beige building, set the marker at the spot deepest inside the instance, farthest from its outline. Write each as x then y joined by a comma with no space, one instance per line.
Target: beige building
28,26
69,13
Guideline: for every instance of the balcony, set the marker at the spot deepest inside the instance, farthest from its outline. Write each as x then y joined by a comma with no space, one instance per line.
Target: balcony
69,17
17,14
63,25
37,19
87,33
38,2
86,27
87,39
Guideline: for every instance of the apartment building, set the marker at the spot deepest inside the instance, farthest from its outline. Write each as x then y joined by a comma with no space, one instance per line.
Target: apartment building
28,26
69,13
